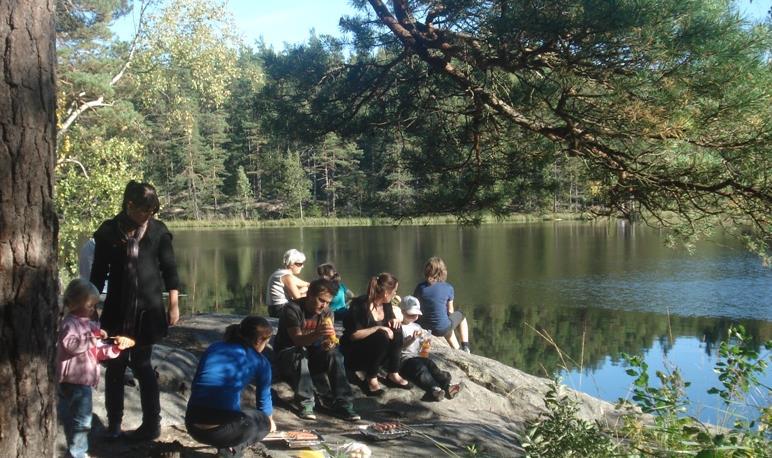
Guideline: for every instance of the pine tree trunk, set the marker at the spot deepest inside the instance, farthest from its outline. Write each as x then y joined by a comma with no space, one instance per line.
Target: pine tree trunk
28,228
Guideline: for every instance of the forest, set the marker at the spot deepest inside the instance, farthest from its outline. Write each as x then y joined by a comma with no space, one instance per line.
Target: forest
656,110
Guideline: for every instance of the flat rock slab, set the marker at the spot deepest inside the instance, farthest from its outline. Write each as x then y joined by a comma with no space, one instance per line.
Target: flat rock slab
488,415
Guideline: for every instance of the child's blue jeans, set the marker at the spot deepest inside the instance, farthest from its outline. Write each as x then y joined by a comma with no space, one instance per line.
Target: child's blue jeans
75,413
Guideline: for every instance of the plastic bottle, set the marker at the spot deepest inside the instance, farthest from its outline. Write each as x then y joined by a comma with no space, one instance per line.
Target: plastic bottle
331,341
426,344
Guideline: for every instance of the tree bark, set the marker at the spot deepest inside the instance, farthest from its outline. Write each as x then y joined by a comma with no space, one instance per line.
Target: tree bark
28,228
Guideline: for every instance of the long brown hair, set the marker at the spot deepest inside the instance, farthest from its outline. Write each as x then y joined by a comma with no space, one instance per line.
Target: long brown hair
435,270
379,285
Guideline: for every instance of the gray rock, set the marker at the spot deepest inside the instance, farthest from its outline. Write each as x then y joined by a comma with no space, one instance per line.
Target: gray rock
488,414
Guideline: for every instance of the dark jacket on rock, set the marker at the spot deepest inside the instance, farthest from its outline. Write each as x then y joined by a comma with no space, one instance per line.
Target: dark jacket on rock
156,272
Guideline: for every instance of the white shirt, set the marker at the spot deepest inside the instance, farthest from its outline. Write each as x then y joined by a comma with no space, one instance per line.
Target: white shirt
415,346
275,294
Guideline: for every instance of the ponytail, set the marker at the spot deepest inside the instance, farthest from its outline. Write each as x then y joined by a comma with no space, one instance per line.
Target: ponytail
379,285
328,272
249,332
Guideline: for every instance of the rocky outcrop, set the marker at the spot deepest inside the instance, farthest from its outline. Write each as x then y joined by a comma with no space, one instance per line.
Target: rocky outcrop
488,414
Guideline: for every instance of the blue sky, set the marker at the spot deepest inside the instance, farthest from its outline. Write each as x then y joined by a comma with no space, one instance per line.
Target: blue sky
276,21
290,21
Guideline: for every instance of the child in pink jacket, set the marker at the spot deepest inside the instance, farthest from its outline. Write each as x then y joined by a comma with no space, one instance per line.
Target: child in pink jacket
79,349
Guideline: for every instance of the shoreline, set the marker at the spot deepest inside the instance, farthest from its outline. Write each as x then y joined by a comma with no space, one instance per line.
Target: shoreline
516,218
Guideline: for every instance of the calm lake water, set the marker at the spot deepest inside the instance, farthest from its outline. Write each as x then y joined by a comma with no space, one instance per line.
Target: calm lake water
596,290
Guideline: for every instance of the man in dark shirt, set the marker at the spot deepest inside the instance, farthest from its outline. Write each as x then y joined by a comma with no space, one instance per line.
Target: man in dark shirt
307,354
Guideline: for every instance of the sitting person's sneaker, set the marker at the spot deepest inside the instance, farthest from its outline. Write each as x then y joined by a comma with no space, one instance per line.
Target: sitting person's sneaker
465,347
437,393
345,411
453,390
307,412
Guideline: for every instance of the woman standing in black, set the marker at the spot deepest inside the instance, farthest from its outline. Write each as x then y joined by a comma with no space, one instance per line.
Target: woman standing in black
134,251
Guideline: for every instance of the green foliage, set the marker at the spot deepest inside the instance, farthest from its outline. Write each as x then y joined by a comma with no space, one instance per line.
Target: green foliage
559,432
293,189
665,102
666,401
191,45
244,192
83,202
738,368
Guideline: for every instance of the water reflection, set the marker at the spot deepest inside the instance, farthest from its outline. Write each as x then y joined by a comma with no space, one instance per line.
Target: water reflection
596,290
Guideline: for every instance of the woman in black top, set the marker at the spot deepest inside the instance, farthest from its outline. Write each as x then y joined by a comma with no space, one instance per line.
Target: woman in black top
135,252
372,337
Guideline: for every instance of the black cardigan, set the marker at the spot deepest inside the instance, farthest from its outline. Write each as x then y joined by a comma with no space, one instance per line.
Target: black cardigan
156,268
359,317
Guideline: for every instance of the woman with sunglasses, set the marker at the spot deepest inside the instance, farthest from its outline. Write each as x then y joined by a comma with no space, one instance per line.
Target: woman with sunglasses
284,285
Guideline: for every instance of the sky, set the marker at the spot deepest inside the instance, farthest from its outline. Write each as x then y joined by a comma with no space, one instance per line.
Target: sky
276,21
290,21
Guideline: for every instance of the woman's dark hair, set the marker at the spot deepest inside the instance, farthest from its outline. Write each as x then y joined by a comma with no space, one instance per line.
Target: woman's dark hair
380,284
249,332
328,272
142,195
321,285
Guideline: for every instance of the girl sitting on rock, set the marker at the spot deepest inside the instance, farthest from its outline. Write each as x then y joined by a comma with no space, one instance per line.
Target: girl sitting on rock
372,337
436,296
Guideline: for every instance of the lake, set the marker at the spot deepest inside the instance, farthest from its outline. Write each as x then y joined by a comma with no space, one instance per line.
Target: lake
593,290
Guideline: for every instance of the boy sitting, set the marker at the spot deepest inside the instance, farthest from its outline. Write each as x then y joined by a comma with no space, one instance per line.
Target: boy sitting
419,369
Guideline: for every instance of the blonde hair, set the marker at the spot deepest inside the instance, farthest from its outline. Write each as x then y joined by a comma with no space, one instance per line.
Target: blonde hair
78,292
435,270
293,256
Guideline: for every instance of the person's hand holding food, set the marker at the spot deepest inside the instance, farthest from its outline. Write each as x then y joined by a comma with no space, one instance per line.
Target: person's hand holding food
124,342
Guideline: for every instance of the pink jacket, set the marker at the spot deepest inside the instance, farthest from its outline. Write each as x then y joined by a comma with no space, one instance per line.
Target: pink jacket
78,351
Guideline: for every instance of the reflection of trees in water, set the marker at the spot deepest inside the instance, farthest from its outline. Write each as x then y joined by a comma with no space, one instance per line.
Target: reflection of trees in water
588,336
227,278
217,283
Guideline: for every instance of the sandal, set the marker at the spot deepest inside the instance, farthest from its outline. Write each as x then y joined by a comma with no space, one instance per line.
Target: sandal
392,384
453,391
374,393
